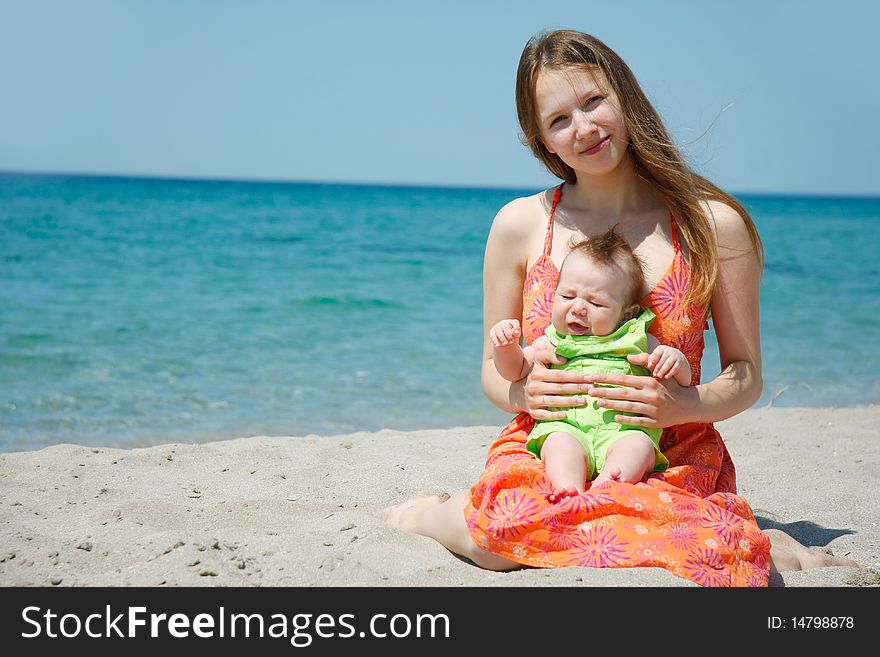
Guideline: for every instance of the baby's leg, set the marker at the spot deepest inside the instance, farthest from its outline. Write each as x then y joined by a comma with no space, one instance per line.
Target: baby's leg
566,464
628,459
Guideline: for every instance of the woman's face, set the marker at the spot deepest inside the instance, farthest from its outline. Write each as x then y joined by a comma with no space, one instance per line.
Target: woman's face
580,120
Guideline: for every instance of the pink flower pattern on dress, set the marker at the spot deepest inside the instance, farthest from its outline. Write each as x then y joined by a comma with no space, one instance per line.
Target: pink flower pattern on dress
682,537
538,297
599,548
706,568
509,513
668,296
562,534
691,345
723,523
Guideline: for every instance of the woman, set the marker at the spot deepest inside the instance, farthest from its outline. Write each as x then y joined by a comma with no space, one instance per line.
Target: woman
585,117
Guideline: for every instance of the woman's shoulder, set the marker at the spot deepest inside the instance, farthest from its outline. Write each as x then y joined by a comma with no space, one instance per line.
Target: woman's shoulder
522,217
730,227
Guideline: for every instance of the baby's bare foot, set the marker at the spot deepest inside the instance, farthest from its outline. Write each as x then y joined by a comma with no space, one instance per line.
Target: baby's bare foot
613,474
560,494
406,514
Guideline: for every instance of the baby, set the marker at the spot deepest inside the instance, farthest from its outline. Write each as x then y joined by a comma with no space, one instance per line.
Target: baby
597,323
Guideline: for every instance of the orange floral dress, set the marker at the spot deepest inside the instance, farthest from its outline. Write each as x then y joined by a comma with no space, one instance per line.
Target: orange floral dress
688,519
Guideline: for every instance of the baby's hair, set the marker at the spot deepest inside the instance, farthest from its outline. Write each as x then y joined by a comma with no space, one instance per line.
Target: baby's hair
609,249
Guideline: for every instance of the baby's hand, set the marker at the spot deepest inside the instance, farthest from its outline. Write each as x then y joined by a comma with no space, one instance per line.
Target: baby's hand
665,361
505,333
544,352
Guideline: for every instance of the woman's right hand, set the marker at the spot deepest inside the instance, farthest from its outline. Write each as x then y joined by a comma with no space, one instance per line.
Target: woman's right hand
546,388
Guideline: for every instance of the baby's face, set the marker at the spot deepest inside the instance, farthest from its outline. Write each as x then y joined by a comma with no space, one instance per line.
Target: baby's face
590,299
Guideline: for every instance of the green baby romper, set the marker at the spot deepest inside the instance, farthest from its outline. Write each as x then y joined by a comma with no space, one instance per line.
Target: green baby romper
593,426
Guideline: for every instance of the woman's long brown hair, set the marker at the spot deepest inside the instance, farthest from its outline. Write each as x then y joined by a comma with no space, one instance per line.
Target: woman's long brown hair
657,160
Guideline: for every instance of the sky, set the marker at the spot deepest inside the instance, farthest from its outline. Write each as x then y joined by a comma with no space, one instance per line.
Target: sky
770,96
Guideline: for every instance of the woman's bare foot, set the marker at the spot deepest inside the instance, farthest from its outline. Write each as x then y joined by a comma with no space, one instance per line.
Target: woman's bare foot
406,514
787,554
441,517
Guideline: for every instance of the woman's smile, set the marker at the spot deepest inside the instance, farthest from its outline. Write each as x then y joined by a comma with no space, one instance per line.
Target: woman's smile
597,147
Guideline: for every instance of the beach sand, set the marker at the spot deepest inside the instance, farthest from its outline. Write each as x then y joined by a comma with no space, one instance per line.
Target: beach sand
302,511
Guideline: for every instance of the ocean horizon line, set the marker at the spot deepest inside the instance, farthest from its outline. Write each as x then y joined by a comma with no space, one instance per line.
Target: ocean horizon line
380,184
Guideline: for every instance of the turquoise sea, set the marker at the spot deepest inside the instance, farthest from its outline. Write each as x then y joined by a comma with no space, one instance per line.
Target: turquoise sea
143,311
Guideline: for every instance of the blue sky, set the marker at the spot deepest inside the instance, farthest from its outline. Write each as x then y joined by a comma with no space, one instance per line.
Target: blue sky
771,96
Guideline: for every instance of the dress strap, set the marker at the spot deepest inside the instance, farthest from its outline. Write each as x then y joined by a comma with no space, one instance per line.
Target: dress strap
676,244
548,238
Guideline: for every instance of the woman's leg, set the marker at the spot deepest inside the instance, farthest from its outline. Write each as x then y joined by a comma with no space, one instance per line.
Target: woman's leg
443,520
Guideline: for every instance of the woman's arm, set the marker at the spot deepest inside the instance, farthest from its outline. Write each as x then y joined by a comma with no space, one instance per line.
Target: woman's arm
515,230
736,317
504,270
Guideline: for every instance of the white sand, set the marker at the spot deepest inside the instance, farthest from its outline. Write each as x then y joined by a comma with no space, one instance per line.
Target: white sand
301,511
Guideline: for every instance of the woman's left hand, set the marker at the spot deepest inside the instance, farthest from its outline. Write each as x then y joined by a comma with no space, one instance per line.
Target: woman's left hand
657,403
